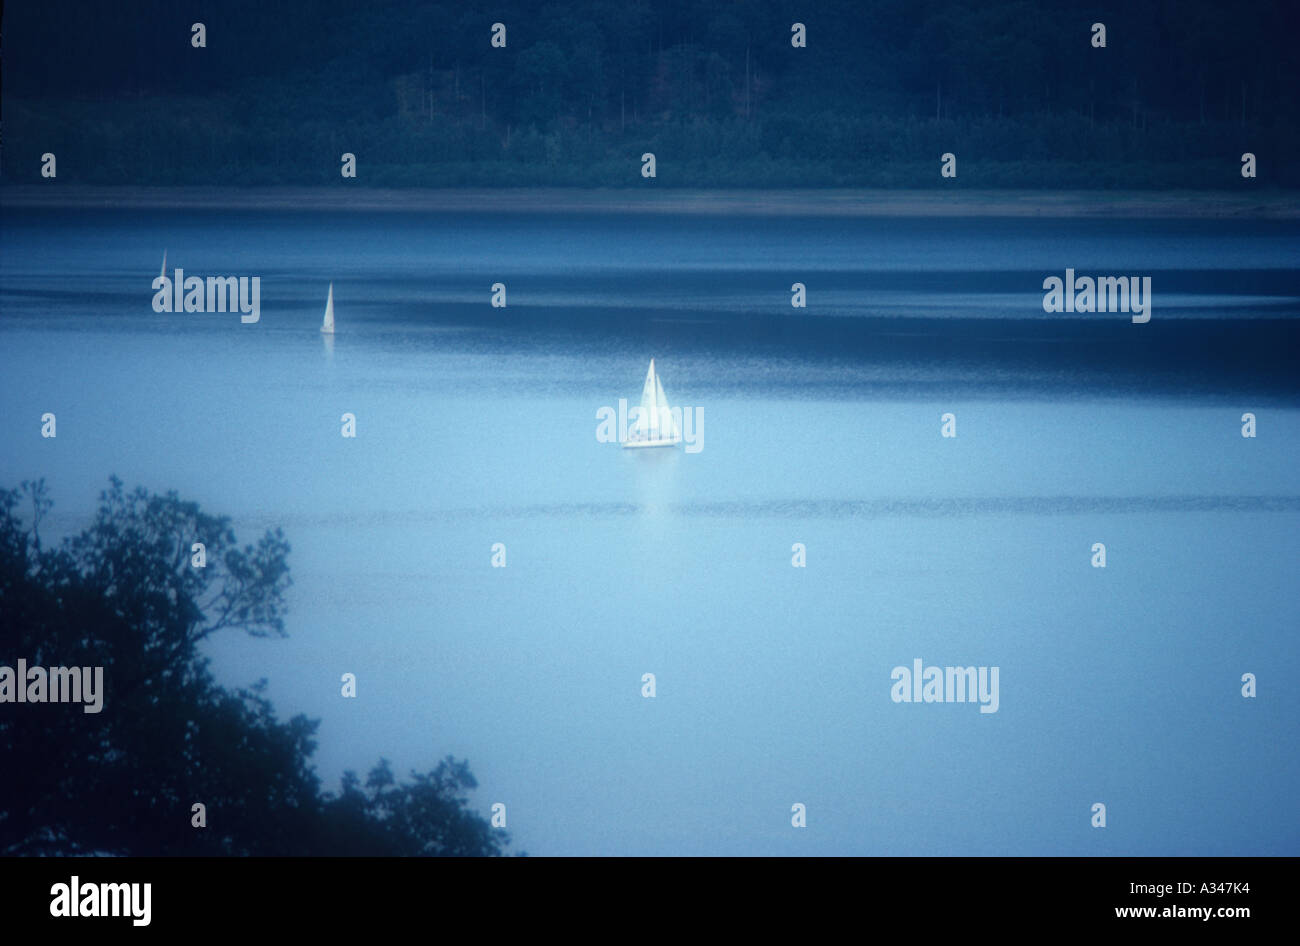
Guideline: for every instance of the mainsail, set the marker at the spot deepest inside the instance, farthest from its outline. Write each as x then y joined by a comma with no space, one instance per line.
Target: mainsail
164,269
647,421
328,325
655,424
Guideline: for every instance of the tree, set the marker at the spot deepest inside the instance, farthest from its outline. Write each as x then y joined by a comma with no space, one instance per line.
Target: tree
123,595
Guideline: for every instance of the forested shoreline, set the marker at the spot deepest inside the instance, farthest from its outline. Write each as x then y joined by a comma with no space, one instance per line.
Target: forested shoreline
717,92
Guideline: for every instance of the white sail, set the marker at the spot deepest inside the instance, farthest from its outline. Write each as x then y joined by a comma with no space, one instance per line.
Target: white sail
163,271
668,429
655,425
647,421
328,325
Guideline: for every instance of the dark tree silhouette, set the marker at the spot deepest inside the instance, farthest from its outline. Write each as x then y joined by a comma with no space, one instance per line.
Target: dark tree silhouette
882,89
123,595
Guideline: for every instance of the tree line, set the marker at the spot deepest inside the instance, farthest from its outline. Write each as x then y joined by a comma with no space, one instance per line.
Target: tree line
717,90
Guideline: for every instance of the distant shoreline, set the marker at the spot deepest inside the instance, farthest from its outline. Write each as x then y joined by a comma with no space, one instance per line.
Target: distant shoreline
1275,205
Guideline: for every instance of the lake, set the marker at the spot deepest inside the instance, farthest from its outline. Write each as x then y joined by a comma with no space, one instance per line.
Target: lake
821,426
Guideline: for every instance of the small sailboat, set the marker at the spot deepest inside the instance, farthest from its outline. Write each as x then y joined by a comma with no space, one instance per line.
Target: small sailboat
163,271
327,326
655,424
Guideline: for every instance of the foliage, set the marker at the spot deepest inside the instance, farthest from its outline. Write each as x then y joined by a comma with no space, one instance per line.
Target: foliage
584,87
122,594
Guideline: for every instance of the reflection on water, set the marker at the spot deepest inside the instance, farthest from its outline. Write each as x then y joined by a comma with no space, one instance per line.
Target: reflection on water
655,471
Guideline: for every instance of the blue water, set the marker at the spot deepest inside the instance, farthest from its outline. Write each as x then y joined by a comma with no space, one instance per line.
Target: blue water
821,426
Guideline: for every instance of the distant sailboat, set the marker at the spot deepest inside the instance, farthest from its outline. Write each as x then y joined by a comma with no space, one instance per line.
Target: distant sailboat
163,272
328,325
655,425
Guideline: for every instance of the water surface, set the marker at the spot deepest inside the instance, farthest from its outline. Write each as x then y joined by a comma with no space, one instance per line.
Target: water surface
821,426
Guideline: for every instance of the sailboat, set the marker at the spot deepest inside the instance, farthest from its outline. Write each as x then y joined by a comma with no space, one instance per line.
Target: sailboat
328,325
163,271
655,426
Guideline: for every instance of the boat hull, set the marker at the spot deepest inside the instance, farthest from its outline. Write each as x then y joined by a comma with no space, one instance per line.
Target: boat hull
629,444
